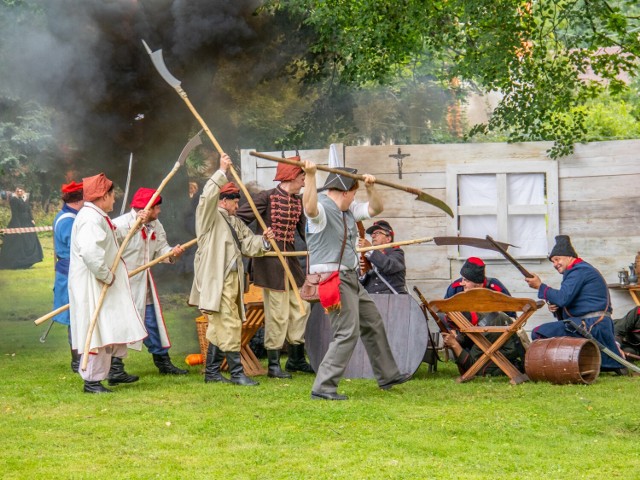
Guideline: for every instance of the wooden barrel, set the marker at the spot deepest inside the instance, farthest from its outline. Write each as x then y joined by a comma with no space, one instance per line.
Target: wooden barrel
563,360
406,330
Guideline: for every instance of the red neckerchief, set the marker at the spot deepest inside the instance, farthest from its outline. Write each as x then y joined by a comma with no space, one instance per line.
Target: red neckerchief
144,233
575,262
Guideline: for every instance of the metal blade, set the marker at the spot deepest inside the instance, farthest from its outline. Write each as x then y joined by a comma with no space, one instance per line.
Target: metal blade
436,202
470,242
158,62
126,188
191,144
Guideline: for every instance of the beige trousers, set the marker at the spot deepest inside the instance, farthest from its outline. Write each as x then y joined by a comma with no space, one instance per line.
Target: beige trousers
225,326
99,363
283,319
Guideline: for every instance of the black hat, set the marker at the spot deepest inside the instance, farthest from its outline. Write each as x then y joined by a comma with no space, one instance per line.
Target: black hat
339,182
380,225
473,270
563,248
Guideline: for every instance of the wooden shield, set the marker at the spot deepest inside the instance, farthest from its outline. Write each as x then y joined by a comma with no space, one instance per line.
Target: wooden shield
406,330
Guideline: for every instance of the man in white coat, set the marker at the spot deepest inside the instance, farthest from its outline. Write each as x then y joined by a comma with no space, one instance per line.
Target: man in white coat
93,250
219,274
146,245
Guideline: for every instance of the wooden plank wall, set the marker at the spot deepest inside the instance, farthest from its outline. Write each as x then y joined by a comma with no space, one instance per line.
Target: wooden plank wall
599,189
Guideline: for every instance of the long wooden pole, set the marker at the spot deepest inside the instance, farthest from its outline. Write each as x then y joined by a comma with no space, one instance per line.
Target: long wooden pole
142,268
257,215
158,62
302,253
420,195
116,261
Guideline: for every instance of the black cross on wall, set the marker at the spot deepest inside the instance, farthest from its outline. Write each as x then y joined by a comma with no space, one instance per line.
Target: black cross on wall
399,156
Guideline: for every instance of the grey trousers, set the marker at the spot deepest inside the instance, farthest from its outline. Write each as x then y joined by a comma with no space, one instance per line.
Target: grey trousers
357,317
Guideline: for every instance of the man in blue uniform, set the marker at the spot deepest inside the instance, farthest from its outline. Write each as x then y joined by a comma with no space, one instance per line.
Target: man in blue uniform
62,225
583,298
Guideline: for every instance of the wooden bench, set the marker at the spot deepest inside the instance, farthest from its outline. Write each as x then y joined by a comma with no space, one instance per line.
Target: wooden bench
483,300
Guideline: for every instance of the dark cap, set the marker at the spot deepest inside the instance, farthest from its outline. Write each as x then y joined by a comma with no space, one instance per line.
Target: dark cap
473,270
381,225
339,182
563,248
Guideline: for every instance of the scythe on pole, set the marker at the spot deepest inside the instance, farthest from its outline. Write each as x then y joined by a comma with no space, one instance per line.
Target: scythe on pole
195,141
158,63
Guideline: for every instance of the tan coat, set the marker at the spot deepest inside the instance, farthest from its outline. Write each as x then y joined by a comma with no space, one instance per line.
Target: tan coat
217,250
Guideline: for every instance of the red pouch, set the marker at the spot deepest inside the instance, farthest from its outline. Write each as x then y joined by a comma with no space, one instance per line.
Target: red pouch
329,292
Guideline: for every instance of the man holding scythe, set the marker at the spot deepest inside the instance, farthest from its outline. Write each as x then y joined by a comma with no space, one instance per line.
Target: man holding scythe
281,208
218,280
331,239
94,248
150,243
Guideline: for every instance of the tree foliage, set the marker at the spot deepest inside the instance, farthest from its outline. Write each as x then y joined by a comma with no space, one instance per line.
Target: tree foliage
547,58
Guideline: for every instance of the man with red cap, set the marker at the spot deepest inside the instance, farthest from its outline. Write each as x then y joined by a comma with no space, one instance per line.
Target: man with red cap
473,276
463,348
143,247
218,280
281,209
94,247
62,226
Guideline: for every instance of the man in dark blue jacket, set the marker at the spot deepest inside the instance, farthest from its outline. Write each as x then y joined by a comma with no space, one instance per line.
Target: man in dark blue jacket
583,298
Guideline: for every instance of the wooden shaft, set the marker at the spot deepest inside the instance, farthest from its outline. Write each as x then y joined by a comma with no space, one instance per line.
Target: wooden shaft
146,266
116,261
302,253
508,256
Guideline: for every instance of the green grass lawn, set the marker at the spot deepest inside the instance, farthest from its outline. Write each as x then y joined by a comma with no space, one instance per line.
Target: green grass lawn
179,427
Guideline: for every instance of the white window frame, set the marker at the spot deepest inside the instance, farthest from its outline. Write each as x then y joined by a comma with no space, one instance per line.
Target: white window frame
502,210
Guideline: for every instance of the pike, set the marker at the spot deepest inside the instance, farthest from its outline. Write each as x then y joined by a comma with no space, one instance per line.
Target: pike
158,63
420,195
195,141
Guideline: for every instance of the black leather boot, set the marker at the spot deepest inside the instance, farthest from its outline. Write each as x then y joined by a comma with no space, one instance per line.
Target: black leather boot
95,387
297,361
274,365
117,375
163,362
212,367
237,372
75,360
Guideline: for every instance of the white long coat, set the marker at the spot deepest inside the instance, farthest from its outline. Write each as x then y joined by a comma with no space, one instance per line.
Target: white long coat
140,251
93,250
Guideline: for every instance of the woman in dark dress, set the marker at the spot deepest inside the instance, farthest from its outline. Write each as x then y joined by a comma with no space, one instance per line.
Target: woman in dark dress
20,250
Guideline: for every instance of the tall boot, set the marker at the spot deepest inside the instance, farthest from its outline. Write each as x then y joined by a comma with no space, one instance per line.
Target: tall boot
297,361
237,372
163,362
212,367
75,360
117,375
274,365
95,387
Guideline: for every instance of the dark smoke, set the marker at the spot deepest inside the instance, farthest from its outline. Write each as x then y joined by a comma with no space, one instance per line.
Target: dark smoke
85,60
